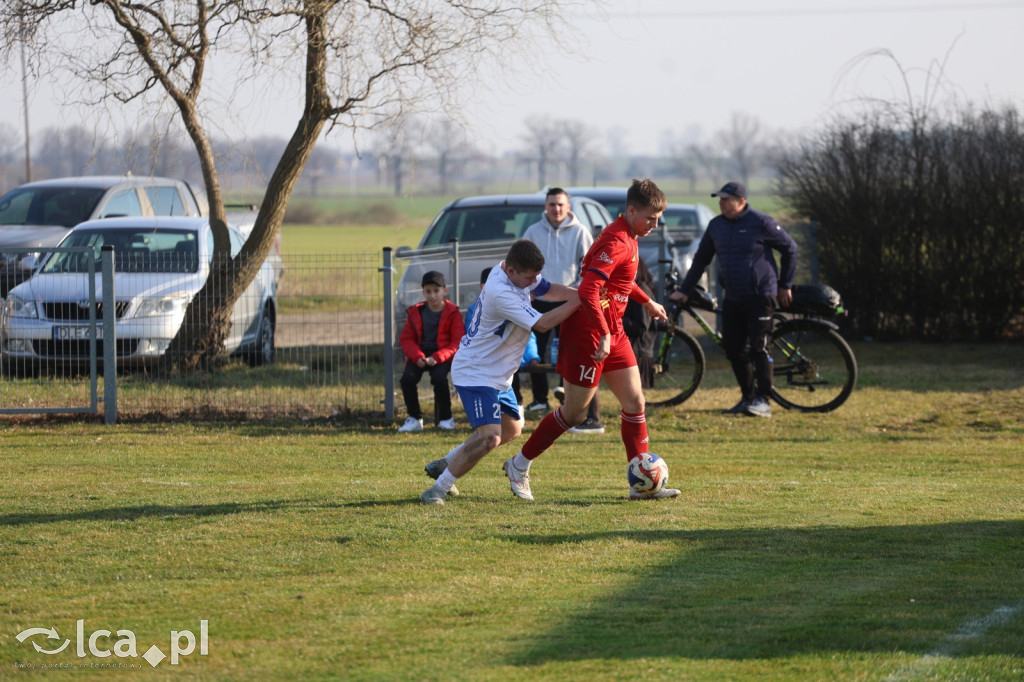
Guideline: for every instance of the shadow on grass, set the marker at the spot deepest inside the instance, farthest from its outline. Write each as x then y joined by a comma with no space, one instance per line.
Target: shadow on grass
746,594
158,510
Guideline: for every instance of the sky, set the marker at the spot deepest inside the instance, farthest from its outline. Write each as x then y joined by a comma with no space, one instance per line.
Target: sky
642,73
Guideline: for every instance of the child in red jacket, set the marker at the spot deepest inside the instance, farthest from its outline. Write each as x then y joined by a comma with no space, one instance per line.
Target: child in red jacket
430,338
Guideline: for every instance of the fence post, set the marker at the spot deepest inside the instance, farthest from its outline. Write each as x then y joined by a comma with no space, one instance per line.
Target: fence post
109,337
389,334
455,266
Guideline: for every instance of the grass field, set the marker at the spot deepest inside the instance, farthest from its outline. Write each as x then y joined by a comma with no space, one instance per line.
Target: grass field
884,541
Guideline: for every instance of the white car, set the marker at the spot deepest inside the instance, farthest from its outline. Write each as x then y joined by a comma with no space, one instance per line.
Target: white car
160,265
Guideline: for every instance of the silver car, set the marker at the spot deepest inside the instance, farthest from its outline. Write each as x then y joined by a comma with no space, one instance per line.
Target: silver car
485,227
160,265
39,214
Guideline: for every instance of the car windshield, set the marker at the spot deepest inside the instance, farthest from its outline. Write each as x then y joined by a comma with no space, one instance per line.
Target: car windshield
682,224
65,206
482,223
142,250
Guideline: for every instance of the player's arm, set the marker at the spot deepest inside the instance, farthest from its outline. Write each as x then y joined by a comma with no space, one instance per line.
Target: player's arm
559,292
654,309
553,318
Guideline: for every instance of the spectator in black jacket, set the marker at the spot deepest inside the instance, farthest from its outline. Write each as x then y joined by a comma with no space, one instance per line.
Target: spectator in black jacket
743,240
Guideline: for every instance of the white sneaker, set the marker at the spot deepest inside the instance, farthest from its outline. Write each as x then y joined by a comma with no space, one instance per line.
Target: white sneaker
759,407
411,424
432,495
519,480
664,493
446,424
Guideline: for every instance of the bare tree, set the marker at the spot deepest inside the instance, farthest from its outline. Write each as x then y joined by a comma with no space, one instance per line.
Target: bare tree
710,158
448,139
544,140
356,61
741,142
579,146
396,149
682,156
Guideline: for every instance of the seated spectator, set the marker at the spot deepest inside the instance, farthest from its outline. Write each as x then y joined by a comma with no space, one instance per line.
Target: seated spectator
429,339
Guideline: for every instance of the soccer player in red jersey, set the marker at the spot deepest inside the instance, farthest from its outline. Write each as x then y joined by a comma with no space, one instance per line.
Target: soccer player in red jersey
593,344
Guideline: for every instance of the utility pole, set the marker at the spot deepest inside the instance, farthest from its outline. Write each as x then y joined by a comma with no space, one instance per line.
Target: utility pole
24,97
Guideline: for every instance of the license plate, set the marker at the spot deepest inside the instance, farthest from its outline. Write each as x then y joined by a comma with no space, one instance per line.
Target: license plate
75,333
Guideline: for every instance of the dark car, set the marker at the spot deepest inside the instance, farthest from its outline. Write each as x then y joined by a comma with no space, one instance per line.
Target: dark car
40,214
485,227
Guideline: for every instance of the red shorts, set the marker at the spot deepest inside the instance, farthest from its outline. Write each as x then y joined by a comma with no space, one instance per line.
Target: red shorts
576,345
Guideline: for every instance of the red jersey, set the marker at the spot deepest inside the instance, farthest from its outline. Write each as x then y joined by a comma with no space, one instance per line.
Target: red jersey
609,272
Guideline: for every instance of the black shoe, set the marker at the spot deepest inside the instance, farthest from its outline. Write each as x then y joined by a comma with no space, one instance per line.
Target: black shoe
738,408
589,426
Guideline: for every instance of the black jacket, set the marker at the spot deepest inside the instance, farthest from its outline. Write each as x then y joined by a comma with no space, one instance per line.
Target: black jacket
746,265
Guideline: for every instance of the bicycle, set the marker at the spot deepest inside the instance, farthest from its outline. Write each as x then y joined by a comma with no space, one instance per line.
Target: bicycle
814,368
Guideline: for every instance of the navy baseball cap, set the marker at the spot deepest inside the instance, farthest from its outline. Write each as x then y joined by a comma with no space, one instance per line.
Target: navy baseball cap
732,189
433,277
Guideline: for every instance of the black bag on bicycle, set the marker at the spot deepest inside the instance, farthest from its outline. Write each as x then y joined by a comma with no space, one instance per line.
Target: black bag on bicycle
815,299
699,298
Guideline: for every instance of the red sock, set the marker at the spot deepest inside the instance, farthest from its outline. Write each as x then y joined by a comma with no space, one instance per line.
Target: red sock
634,434
547,432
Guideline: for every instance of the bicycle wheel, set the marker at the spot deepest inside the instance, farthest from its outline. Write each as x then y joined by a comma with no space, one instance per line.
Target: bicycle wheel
678,369
814,368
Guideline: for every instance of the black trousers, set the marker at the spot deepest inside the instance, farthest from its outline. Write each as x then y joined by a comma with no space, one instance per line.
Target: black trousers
438,379
746,325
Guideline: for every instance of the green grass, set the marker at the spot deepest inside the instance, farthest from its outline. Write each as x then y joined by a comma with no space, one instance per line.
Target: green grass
300,240
881,541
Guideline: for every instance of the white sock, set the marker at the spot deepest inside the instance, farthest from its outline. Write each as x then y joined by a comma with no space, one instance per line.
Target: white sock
445,481
453,452
520,462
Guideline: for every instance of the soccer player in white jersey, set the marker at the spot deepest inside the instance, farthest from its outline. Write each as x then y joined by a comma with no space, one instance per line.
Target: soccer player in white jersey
489,354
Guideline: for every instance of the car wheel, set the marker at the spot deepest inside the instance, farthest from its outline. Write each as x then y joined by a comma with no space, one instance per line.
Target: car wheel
262,352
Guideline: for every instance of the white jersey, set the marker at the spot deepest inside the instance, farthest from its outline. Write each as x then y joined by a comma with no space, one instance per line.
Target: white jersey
492,348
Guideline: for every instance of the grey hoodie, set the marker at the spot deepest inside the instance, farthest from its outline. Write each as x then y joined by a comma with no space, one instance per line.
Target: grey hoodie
563,247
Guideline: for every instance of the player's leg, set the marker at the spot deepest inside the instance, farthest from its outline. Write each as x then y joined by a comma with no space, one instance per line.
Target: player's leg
554,424
559,421
626,385
493,415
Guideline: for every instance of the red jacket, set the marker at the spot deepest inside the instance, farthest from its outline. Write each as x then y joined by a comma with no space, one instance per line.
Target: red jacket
449,332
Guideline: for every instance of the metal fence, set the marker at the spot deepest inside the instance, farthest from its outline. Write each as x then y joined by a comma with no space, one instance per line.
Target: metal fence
329,344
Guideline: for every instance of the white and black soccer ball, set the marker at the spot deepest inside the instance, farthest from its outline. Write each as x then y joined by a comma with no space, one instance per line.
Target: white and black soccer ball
647,473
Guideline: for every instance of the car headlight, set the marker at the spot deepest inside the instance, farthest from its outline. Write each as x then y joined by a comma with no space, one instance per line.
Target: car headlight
164,305
15,306
24,261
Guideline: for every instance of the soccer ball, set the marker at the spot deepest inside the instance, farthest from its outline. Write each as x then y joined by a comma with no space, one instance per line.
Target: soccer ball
647,473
